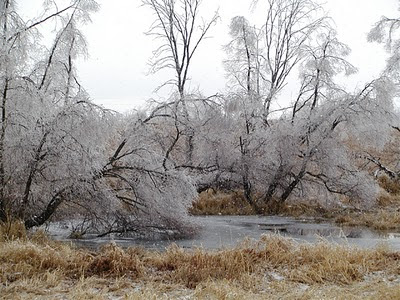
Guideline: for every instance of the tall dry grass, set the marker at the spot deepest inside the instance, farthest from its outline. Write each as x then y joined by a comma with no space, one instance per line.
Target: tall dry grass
273,266
379,219
212,202
12,230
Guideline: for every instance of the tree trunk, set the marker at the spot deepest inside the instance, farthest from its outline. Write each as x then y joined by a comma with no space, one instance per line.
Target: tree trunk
56,200
286,193
3,205
245,178
32,173
274,184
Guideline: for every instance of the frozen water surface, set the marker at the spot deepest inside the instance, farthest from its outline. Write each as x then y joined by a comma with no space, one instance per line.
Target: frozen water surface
227,231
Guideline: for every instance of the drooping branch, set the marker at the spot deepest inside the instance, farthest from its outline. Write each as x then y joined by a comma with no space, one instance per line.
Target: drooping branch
386,170
15,35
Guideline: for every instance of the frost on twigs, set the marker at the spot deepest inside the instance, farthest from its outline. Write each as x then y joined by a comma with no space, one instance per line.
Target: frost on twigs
62,156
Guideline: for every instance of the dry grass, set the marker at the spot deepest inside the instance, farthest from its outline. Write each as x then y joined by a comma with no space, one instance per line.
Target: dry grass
292,290
304,209
390,196
392,186
379,219
272,267
386,216
212,202
12,230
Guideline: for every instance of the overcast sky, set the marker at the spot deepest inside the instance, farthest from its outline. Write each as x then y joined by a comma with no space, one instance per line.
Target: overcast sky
116,73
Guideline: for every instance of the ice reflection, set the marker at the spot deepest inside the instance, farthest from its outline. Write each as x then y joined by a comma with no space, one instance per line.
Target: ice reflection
227,231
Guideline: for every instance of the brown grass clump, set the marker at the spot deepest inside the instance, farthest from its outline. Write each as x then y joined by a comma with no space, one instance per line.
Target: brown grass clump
291,290
385,199
212,202
391,186
191,268
12,230
325,262
304,263
383,220
273,267
226,289
24,259
113,260
390,196
380,219
303,209
320,264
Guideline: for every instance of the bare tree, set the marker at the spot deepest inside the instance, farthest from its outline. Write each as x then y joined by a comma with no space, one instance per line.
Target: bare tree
289,26
177,26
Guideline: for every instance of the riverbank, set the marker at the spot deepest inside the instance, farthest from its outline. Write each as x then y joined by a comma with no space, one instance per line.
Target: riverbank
383,216
272,267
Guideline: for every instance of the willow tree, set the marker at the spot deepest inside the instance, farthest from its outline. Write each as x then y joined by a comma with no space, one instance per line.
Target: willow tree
324,60
19,40
386,32
33,83
259,63
64,156
302,152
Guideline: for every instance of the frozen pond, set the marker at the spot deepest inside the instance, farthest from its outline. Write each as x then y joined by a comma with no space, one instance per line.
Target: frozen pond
227,231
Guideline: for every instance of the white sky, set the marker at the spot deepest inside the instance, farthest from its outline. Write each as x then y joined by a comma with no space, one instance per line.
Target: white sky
115,74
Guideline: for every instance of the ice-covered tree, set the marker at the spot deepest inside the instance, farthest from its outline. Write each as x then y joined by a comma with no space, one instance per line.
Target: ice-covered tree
288,28
179,27
324,59
64,157
386,31
304,151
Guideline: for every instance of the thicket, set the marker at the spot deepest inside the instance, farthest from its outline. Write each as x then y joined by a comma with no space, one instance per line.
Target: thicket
62,156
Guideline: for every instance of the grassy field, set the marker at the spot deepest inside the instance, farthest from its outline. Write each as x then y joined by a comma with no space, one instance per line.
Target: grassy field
271,268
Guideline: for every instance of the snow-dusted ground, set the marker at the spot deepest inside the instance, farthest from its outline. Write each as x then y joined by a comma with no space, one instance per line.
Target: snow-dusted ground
227,231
